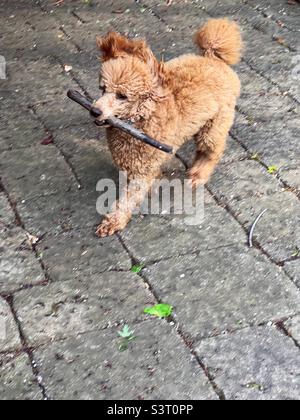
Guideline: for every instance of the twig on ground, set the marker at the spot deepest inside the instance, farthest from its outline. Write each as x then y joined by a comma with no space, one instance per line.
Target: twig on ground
254,226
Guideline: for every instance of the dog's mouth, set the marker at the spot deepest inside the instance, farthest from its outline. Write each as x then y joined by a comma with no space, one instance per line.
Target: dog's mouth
102,123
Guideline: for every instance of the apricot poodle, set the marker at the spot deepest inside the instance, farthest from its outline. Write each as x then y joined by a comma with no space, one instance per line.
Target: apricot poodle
189,96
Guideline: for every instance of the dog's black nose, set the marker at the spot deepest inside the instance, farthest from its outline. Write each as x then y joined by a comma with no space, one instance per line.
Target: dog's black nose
95,112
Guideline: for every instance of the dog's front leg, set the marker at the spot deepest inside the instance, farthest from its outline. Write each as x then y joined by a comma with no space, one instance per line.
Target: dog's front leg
131,198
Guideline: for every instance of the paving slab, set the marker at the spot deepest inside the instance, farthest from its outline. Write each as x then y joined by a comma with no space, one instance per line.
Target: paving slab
292,326
293,269
9,334
260,364
78,254
90,367
173,236
17,381
285,12
223,289
84,304
37,172
7,216
249,189
19,131
18,265
59,213
275,143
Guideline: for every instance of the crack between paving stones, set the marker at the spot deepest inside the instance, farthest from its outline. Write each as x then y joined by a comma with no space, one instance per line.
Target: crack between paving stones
261,74
11,355
79,18
272,17
69,39
155,14
173,322
197,252
27,349
256,244
61,27
74,78
283,330
23,287
283,183
48,132
47,282
20,223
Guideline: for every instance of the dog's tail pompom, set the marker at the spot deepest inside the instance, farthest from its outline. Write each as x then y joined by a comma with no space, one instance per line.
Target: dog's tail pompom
221,38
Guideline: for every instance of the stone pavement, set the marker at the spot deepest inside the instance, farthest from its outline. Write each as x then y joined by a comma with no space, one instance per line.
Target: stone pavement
235,332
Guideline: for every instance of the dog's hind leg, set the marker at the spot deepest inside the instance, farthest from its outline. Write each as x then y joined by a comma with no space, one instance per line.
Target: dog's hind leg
211,143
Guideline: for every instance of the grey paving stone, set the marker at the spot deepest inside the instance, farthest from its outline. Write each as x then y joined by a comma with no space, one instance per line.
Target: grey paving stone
7,216
253,364
62,112
37,172
60,212
285,12
262,101
9,335
223,289
249,189
91,367
73,139
93,165
293,327
291,175
18,264
156,237
88,303
87,151
41,80
77,255
275,144
19,131
293,268
17,381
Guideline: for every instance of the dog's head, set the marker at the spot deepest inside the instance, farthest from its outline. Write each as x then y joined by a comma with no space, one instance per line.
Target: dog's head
130,78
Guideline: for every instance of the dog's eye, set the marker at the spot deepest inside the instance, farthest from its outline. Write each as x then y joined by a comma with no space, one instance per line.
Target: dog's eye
122,97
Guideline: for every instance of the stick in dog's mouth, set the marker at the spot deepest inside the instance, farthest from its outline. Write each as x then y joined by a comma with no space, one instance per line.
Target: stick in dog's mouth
117,123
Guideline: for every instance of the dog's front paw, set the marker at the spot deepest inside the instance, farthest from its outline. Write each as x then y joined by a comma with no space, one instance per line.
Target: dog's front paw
110,225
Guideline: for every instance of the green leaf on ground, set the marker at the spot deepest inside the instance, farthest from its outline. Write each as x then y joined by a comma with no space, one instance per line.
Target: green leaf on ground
255,386
127,335
272,169
256,157
136,268
162,310
126,332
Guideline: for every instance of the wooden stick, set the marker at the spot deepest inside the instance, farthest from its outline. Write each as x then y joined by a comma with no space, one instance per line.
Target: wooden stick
119,124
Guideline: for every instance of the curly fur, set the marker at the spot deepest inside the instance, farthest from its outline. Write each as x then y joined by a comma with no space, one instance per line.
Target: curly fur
189,96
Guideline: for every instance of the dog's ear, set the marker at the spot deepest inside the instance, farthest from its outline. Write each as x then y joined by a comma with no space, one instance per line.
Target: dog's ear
115,45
